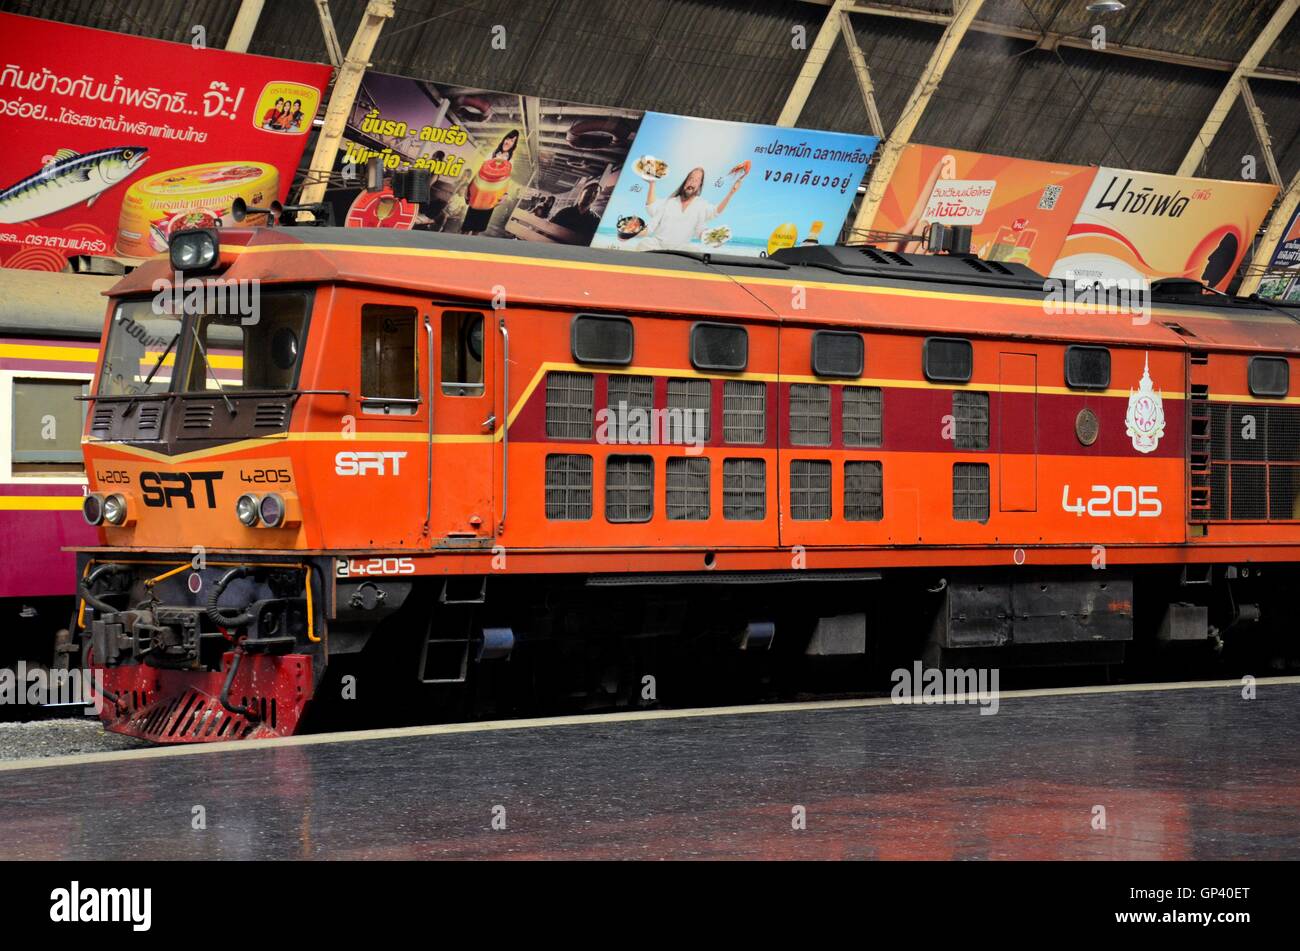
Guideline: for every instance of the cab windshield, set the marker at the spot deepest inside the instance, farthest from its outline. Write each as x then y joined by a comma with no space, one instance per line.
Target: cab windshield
257,351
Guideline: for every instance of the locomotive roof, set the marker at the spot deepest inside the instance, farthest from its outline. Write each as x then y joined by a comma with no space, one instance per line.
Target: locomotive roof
838,284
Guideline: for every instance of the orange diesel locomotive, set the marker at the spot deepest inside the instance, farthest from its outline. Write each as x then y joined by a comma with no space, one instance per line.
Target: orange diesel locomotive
454,451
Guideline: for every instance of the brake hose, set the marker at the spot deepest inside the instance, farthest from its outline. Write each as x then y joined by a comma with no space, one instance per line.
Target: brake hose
215,613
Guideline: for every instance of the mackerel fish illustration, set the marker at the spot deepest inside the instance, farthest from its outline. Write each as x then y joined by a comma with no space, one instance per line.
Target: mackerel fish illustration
67,180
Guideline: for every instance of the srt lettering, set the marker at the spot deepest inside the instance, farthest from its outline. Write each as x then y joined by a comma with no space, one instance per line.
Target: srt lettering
160,488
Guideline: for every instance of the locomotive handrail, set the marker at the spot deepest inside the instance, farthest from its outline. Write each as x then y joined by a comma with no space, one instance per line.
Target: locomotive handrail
428,497
505,423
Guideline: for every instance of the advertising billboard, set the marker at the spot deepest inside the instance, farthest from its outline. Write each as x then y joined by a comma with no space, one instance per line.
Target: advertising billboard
1019,210
1141,225
501,164
109,160
1283,279
732,187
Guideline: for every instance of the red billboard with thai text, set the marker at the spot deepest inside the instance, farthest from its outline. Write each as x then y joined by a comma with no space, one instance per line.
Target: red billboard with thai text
113,142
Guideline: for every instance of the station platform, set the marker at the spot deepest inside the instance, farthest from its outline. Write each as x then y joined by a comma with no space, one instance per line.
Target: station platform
1176,771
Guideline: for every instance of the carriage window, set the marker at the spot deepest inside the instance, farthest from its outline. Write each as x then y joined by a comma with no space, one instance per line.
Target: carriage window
719,347
948,359
1087,368
1269,376
462,353
601,339
388,355
47,425
837,354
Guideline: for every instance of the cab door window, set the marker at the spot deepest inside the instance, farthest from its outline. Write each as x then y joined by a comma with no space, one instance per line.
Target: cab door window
389,359
462,353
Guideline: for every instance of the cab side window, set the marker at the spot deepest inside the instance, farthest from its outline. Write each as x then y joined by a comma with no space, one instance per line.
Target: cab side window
389,359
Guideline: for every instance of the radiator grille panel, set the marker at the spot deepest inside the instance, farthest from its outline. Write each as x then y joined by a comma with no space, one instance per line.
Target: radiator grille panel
569,399
970,413
863,416
1254,462
810,490
629,488
970,492
689,396
636,392
864,492
568,486
687,483
810,414
744,412
744,489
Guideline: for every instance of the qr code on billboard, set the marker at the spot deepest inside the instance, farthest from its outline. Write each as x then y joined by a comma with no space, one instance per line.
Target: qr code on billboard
1050,194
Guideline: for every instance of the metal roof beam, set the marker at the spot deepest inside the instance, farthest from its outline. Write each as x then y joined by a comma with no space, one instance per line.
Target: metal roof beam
863,74
1052,40
924,90
812,65
1261,131
241,33
346,85
1195,154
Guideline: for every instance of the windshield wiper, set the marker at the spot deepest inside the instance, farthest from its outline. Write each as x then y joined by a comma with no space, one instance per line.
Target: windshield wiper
230,407
144,387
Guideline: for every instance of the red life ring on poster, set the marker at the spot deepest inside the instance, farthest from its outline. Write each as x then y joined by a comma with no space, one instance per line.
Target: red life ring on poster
591,134
381,210
474,108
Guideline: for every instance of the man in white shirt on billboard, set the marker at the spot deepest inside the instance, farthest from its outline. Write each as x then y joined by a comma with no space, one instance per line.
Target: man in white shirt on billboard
677,219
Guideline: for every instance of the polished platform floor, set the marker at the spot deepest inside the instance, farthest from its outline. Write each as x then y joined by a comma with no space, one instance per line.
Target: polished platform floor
1190,773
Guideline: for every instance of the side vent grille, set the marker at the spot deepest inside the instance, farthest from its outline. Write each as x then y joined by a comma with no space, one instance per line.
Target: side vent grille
271,415
986,267
101,424
879,256
197,416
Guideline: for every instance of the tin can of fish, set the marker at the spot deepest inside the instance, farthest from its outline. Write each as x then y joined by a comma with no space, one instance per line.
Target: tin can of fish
195,196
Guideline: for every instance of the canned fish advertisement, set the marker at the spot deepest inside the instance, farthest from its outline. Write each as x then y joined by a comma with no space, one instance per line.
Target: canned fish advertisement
111,161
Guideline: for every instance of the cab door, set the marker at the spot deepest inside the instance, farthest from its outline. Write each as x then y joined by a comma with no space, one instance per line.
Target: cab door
466,421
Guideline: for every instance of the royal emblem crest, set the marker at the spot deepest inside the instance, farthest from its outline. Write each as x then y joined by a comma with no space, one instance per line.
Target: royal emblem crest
1145,419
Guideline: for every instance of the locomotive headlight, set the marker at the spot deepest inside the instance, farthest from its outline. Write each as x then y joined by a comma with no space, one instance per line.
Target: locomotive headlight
92,509
271,509
194,250
246,509
115,509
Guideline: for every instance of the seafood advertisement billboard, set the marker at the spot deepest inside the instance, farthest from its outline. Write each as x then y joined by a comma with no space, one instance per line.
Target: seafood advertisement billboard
503,165
1141,225
732,187
111,160
1019,210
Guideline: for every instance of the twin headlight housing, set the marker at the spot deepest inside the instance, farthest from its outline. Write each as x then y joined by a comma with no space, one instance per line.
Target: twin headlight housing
195,250
98,509
268,510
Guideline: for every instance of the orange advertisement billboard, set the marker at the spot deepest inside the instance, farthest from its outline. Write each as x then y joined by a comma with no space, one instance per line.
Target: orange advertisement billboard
1136,225
1019,210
